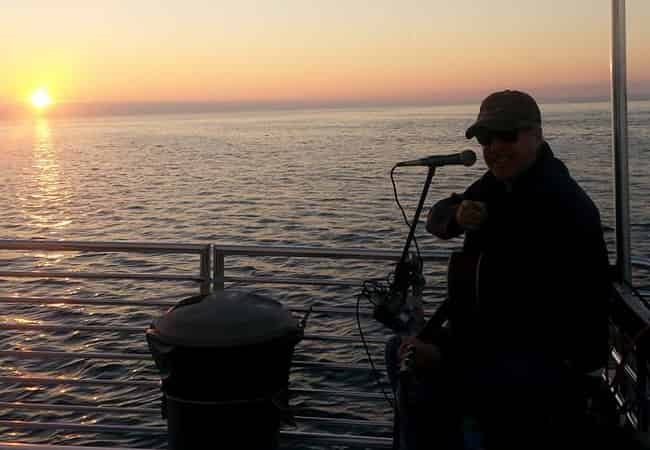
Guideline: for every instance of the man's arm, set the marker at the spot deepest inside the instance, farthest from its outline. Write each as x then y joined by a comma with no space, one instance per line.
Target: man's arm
452,216
441,221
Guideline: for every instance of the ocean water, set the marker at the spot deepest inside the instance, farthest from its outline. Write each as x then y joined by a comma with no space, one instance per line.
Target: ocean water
314,177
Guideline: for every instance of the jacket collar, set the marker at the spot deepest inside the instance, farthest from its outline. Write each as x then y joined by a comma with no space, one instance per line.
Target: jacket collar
537,169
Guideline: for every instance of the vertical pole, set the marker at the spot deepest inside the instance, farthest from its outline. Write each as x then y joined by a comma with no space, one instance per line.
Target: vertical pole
205,270
219,270
620,142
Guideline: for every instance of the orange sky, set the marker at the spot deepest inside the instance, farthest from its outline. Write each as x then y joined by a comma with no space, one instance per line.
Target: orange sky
297,51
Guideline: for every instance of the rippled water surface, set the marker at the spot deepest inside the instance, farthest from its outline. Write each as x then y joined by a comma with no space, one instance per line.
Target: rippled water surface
317,178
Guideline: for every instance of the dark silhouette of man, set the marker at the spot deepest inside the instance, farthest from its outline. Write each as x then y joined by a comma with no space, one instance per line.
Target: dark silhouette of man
514,356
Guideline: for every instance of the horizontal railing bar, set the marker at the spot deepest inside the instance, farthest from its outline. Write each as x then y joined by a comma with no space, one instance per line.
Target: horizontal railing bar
46,327
364,311
298,281
46,381
299,251
352,339
323,438
21,446
350,310
123,329
93,301
242,250
81,301
338,366
80,408
429,309
272,279
338,439
337,393
341,421
99,246
34,354
167,303
155,411
99,276
178,277
20,424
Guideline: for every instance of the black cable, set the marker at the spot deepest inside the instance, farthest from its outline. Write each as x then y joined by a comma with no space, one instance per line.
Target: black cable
406,221
371,288
366,293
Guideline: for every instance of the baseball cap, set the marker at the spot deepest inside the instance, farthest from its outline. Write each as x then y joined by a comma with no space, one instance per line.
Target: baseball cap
505,111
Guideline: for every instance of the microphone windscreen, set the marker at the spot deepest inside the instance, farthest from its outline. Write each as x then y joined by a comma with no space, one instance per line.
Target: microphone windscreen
468,157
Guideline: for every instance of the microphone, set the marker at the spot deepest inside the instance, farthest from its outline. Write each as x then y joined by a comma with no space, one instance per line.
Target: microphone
464,158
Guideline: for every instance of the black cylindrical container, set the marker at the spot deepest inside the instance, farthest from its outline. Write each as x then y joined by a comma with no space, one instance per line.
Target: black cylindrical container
224,360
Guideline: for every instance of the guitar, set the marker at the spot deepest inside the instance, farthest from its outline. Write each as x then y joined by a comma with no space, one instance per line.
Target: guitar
463,280
463,299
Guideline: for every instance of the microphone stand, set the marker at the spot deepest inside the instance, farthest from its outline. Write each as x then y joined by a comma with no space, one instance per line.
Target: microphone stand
389,305
401,283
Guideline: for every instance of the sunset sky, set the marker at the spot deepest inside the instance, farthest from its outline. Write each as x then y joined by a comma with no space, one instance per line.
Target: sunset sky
313,52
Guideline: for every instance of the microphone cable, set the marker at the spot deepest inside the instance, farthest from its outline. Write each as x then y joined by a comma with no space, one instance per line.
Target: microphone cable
406,221
375,288
369,289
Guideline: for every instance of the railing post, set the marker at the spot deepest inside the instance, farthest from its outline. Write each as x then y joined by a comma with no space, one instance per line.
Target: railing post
219,270
205,270
620,142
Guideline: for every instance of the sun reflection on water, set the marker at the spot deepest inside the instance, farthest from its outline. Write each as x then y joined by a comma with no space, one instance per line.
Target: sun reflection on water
44,206
20,320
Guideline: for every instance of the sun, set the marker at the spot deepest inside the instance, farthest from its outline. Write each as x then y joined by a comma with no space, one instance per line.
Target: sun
40,99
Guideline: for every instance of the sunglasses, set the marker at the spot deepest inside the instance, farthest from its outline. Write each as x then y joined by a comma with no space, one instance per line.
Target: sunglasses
485,137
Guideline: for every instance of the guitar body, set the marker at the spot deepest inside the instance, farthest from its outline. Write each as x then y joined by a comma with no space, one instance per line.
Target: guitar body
463,288
462,302
463,277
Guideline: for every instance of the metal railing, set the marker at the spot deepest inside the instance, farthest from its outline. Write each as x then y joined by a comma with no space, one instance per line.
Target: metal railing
220,252
203,250
212,274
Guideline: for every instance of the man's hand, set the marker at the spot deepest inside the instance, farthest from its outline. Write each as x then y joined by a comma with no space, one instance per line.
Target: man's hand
470,215
427,356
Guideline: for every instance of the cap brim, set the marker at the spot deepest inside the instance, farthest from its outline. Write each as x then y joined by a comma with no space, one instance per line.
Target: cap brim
496,125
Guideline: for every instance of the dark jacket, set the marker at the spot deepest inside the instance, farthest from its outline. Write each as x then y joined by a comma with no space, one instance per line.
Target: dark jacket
544,274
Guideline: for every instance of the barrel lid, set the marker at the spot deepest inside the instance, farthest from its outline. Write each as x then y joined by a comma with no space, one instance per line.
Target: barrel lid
227,318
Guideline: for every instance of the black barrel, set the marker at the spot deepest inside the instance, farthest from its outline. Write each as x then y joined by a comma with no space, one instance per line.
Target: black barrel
224,360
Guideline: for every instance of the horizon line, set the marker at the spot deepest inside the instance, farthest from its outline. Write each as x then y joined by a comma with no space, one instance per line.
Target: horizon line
98,109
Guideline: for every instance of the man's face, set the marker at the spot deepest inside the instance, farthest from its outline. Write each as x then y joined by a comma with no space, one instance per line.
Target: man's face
508,154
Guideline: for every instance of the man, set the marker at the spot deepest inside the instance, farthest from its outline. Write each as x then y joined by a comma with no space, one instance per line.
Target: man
539,321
